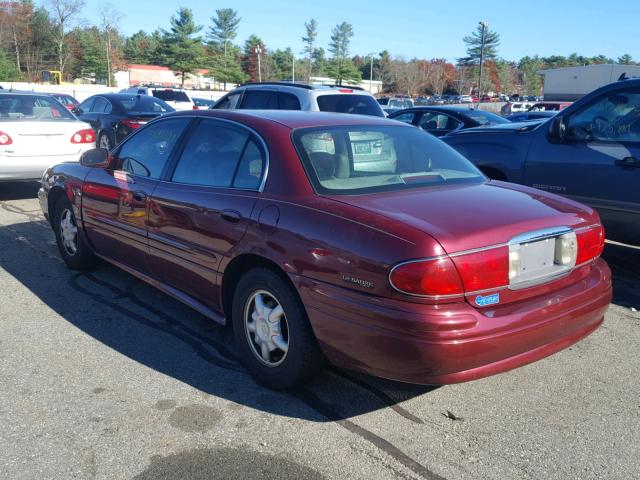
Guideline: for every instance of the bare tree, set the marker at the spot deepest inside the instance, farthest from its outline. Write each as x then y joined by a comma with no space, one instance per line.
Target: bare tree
65,13
109,20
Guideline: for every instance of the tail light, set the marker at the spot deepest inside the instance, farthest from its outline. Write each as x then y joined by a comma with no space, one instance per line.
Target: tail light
590,243
435,277
195,107
83,136
5,139
133,122
484,270
345,90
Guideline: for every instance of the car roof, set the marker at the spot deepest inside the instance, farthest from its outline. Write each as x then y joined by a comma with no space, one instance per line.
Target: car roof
291,118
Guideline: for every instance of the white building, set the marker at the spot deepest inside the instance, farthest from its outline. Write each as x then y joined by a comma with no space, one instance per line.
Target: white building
571,83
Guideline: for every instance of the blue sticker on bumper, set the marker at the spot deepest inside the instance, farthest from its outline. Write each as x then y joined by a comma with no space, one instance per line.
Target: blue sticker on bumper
488,300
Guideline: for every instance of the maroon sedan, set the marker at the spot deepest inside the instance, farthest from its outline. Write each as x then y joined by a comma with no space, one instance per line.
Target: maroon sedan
355,239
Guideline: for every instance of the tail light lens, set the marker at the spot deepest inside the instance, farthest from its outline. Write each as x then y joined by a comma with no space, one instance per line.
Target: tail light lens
434,277
133,122
590,243
83,136
484,270
195,107
5,139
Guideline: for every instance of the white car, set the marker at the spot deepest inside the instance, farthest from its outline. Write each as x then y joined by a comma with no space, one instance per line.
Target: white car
36,131
177,98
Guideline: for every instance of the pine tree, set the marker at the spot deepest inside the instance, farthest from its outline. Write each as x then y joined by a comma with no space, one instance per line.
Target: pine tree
226,64
183,51
341,67
626,59
311,28
474,45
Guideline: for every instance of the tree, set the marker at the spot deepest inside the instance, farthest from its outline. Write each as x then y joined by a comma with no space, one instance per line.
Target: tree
183,51
64,12
311,28
626,59
221,33
144,48
109,19
474,45
250,64
8,70
341,67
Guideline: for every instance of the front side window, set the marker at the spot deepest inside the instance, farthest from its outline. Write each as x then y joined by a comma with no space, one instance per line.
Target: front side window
87,104
612,117
146,152
438,122
404,117
99,105
220,155
228,102
31,108
355,160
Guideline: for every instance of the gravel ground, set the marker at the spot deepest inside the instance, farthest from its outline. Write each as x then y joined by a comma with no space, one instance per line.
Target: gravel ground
104,377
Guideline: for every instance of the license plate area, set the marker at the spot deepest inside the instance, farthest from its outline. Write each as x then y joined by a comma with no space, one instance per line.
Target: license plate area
362,148
539,258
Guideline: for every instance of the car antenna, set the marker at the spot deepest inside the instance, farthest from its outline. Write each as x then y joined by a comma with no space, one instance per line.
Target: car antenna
623,77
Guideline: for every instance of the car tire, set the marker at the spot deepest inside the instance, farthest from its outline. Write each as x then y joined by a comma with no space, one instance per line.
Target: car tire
72,244
104,141
272,333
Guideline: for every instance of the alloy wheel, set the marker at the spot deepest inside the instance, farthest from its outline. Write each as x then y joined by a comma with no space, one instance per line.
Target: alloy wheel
266,328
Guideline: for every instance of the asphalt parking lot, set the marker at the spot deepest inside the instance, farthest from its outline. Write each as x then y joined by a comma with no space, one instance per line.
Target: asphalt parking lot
102,377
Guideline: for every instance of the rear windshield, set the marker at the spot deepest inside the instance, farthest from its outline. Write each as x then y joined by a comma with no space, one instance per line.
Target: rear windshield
144,104
31,108
171,95
486,118
343,103
361,159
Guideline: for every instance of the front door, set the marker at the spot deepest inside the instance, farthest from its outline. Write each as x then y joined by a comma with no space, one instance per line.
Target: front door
598,163
115,200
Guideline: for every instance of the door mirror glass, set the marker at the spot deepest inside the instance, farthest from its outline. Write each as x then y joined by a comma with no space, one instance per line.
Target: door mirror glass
96,157
557,130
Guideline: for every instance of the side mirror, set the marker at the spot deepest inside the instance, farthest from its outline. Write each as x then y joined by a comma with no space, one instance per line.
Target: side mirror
96,157
557,129
77,111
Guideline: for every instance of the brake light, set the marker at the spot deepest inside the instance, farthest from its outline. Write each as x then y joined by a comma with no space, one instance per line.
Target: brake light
484,270
5,139
590,243
435,277
133,122
195,107
83,136
345,90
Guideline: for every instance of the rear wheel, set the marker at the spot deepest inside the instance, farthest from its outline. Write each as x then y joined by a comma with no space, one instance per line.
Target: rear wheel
272,332
73,247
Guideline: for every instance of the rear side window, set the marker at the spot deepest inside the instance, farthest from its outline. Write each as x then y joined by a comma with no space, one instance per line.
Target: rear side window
260,100
171,96
139,104
212,155
99,105
342,103
287,101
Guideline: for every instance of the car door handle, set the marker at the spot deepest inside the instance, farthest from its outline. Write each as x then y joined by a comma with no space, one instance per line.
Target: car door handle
139,196
231,216
632,162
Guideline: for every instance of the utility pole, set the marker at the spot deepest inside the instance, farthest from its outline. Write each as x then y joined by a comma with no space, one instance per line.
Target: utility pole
484,26
371,73
258,51
293,68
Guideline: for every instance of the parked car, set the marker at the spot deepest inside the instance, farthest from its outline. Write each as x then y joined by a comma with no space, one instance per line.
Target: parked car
549,106
37,131
466,99
443,120
589,152
426,272
203,103
531,115
515,107
67,100
113,116
300,96
178,98
396,104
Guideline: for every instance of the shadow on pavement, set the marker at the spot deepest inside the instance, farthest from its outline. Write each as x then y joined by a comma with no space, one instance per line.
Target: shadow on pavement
155,330
624,261
18,190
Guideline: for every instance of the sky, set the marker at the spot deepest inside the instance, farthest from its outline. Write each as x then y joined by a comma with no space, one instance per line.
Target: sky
422,29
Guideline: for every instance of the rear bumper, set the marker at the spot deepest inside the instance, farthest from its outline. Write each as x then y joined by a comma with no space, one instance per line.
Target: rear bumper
452,343
30,168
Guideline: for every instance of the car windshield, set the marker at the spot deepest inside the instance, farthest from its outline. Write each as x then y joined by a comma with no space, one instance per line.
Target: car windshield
136,104
342,103
32,108
362,159
171,95
486,118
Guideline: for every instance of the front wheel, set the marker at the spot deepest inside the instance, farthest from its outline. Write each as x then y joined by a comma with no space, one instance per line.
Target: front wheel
73,247
272,332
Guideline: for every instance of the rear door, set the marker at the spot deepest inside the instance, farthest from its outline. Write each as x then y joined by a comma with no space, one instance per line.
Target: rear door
598,163
259,99
200,212
115,201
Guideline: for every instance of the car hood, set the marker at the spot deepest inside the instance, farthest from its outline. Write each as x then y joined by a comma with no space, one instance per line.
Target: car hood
464,217
512,127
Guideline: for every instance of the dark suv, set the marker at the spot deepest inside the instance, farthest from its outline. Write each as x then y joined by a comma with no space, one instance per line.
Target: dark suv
301,96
